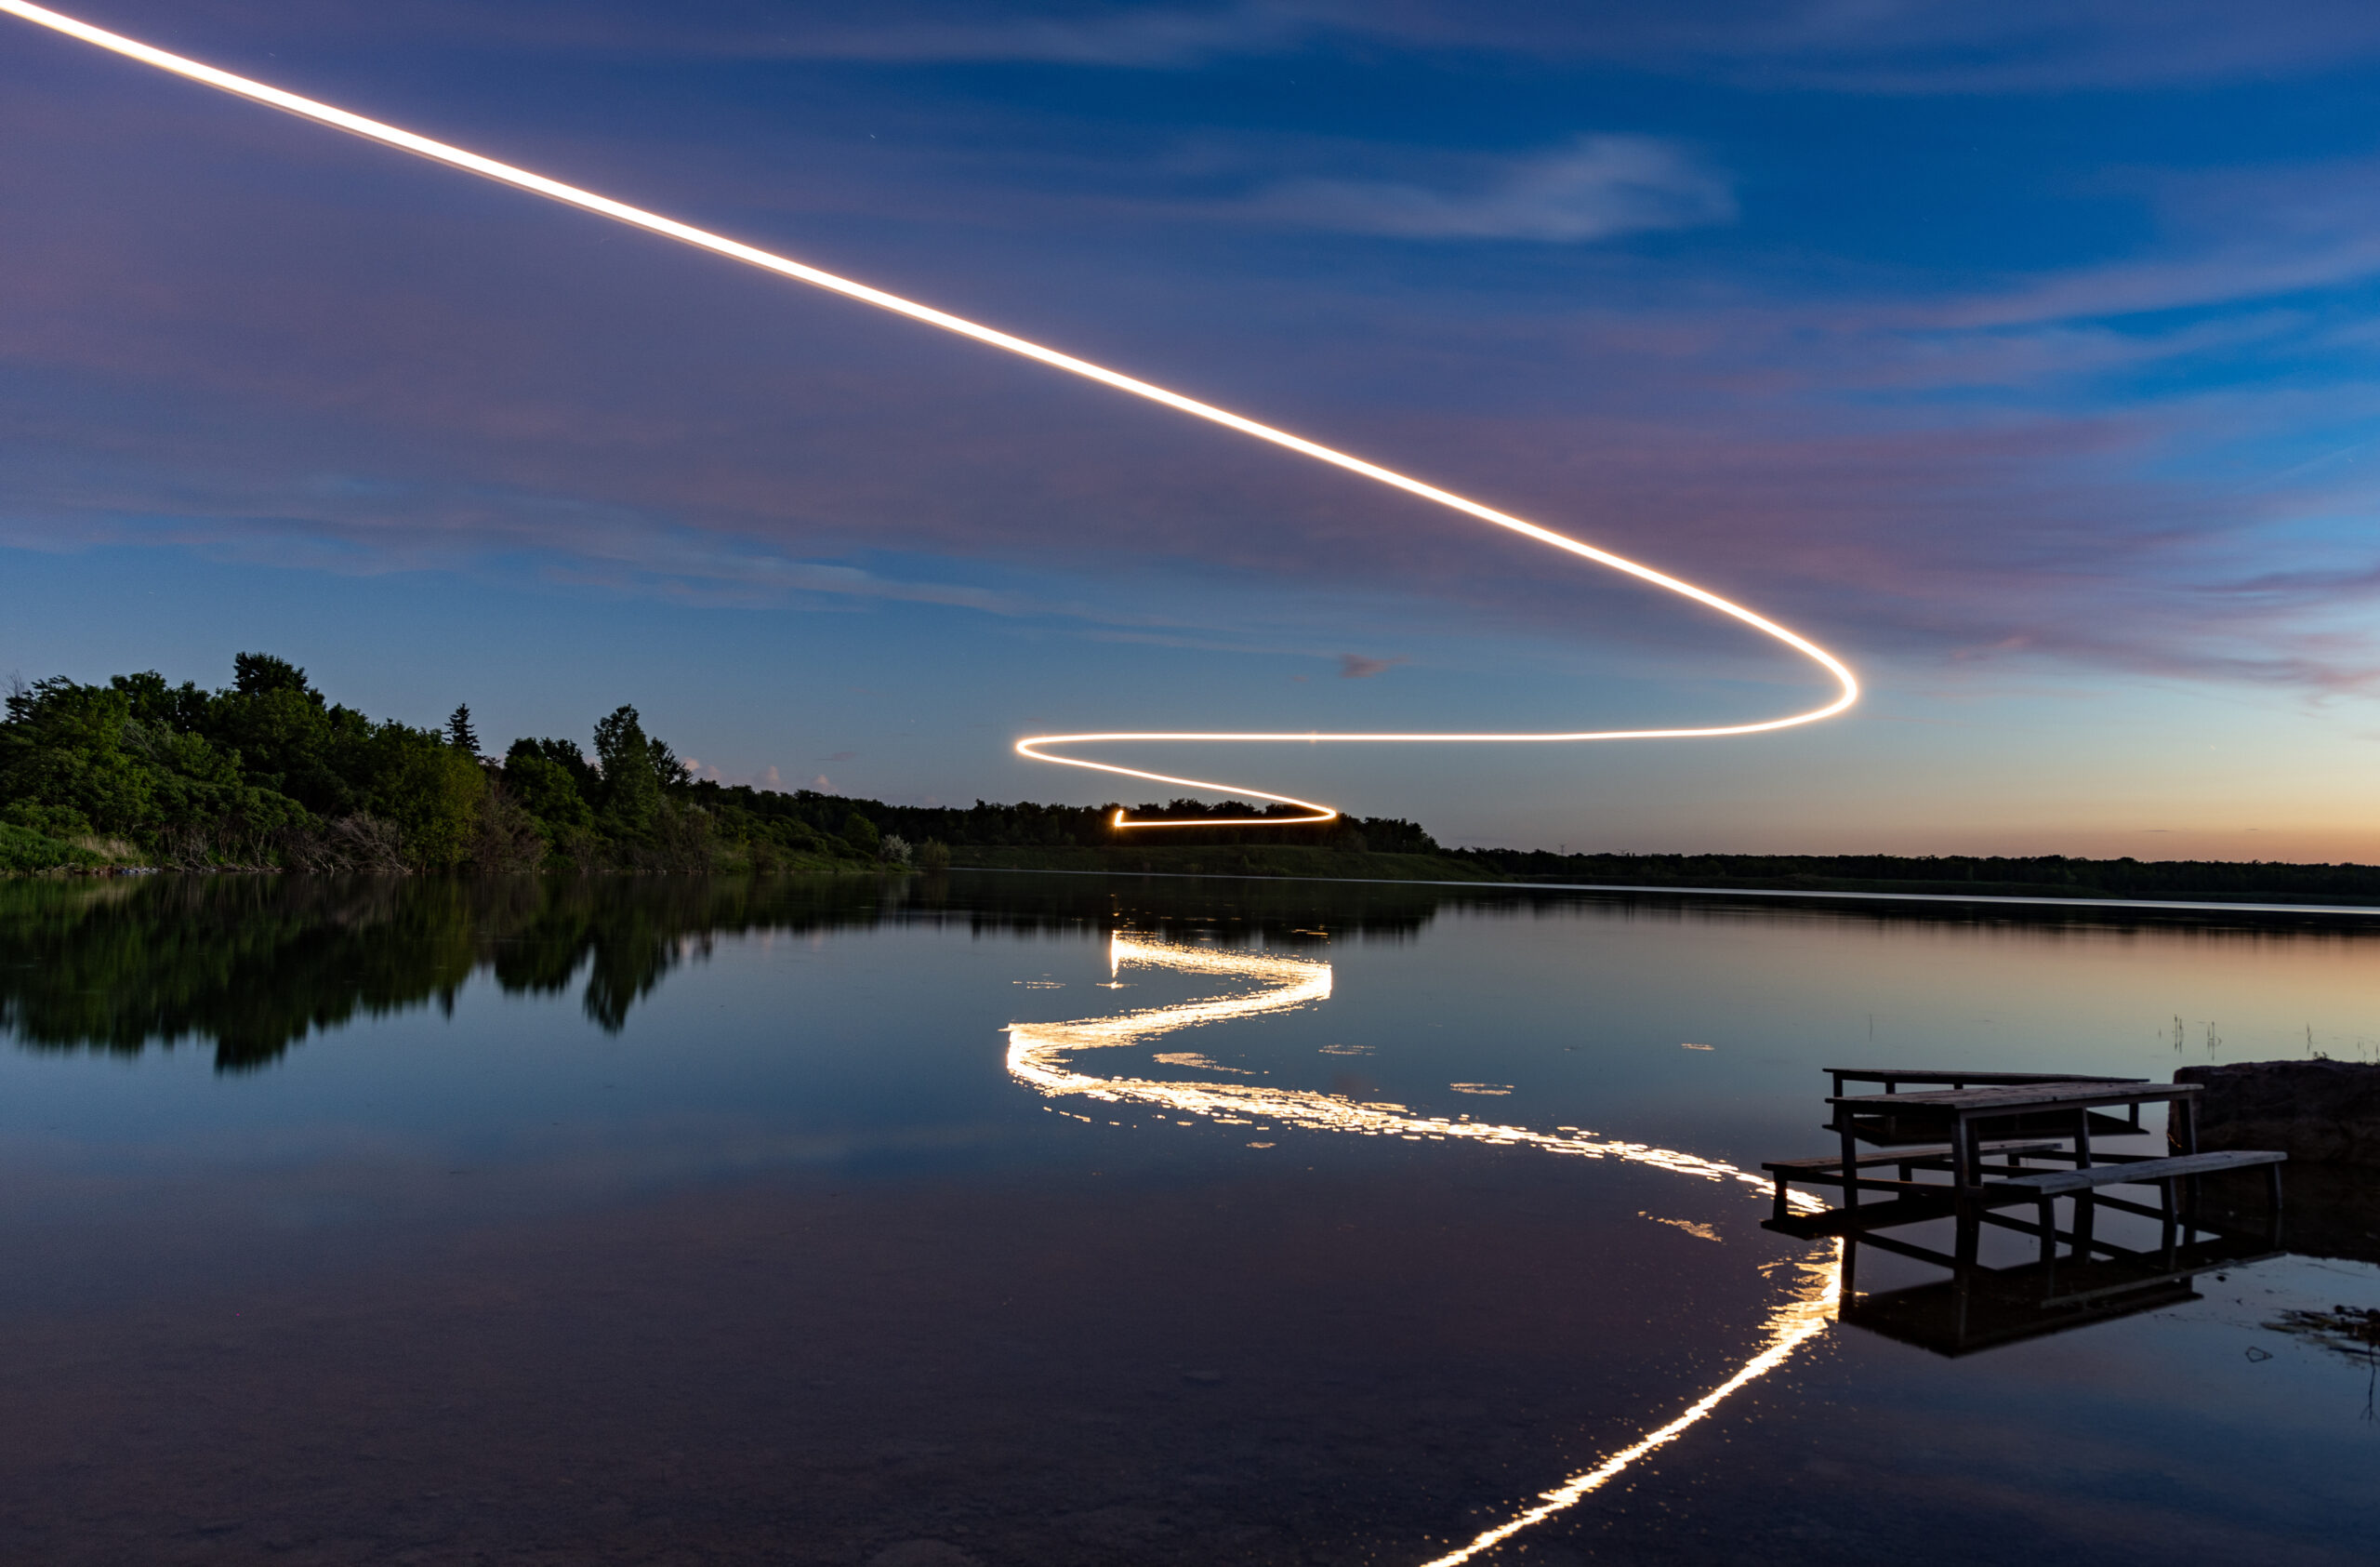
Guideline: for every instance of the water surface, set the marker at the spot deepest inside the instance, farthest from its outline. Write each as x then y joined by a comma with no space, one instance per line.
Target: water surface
1027,1219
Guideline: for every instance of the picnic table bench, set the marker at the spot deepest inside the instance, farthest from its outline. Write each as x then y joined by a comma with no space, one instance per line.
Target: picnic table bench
1980,1133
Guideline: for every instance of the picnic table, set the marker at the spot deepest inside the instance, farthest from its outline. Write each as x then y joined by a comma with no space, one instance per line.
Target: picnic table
1980,1134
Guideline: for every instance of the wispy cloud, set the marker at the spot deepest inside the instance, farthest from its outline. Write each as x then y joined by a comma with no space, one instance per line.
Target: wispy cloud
1905,47
1598,187
1355,665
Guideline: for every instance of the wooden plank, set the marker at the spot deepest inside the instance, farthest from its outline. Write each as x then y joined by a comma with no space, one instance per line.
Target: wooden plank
1890,1132
1907,1156
1894,1074
1869,1216
2069,1095
2050,1183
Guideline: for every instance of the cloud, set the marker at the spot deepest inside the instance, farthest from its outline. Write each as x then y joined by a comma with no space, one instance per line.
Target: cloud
822,784
1598,187
844,756
1355,665
1904,46
768,782
1126,36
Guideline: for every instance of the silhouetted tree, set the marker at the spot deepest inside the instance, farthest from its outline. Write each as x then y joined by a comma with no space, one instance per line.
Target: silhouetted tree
631,788
459,733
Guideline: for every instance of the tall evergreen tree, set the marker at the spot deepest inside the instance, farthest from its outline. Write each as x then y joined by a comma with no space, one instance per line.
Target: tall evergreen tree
459,733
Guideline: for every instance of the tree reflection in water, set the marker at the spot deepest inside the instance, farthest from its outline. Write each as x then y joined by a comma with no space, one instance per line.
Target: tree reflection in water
251,966
254,965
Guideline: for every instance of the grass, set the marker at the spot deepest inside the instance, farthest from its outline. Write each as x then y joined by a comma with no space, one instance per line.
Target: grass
23,851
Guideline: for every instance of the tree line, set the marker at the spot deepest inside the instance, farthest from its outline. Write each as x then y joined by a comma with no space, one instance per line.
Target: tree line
270,774
1979,875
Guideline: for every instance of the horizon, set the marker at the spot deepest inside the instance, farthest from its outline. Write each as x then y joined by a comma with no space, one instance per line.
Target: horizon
2023,363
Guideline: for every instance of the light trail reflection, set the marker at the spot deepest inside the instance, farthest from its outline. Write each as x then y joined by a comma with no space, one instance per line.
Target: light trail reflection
1038,746
1042,1056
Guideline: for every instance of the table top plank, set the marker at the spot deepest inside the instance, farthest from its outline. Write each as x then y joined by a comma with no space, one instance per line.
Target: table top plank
2019,1097
1897,1074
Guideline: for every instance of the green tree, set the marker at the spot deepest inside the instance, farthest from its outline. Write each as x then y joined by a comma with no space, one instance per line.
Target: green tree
564,755
547,793
255,673
459,733
432,792
631,789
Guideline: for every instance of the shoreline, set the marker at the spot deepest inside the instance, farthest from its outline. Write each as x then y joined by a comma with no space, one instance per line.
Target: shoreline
2165,905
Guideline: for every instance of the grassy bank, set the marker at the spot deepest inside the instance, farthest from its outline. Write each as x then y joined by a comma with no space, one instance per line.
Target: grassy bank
1247,859
26,853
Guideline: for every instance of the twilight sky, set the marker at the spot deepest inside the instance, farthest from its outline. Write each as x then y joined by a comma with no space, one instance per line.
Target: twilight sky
2024,355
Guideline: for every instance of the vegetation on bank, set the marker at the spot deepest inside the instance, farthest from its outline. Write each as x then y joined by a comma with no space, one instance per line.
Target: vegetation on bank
269,774
1968,875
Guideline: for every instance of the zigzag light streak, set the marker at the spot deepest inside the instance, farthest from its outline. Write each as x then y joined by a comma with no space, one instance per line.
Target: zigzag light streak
1042,1055
1032,746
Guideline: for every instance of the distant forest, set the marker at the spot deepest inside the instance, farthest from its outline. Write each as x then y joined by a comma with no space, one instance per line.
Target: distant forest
269,774
1978,876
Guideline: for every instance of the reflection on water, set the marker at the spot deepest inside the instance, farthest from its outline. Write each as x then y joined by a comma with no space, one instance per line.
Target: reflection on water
1039,1055
1981,1307
254,965
719,1202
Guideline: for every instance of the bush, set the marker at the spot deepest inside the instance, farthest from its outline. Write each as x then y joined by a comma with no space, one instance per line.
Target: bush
23,850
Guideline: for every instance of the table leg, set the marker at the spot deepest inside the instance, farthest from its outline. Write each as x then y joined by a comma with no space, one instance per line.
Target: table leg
1963,1267
1850,1158
1961,1174
2185,1116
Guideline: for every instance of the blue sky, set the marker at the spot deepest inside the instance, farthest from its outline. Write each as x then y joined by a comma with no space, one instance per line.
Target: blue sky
2022,353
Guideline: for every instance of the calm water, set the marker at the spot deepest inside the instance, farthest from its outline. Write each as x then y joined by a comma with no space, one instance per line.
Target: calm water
1017,1219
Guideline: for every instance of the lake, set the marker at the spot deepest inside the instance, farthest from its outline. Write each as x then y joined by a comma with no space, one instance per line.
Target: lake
1009,1218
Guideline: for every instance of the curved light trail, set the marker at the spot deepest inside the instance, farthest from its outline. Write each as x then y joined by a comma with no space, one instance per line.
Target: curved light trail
1039,1055
1038,747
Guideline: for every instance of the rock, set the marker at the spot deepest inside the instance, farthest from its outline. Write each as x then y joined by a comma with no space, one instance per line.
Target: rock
2322,1112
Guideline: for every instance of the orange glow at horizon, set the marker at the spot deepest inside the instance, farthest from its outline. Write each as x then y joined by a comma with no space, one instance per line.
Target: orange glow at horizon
1039,1055
1032,746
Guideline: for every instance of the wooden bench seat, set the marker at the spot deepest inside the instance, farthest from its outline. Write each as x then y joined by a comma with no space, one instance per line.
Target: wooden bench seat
1826,1168
1913,1155
2046,1186
2056,1183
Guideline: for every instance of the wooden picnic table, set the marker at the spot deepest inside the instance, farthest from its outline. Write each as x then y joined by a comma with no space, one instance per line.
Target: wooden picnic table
1959,1116
1983,1130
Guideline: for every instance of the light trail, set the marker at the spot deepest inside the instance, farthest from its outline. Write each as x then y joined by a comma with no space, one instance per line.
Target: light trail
1034,746
1039,1055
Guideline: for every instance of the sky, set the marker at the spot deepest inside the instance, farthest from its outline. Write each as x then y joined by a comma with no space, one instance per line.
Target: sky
2022,355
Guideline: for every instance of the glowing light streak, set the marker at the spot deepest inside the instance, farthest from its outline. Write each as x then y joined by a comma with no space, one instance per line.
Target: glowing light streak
1039,1055
1793,1325
1032,746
